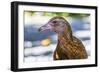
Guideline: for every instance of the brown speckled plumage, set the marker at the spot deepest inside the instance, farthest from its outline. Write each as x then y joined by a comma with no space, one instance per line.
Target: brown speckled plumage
68,46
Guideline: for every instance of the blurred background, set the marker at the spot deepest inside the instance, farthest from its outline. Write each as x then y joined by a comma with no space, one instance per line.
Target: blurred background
39,46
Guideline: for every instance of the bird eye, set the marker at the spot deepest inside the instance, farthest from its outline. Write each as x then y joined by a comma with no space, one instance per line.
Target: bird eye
54,21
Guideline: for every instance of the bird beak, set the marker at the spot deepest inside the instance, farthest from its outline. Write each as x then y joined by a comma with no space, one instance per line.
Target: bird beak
45,27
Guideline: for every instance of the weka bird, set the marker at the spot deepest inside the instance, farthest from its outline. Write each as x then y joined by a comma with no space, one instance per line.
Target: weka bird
68,46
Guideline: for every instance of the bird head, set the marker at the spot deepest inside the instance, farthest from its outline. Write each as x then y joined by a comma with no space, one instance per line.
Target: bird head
56,24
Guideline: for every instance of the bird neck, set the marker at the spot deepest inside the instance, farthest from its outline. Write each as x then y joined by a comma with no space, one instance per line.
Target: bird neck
67,34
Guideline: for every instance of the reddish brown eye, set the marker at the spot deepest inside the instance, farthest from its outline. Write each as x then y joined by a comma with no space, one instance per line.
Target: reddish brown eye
54,23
